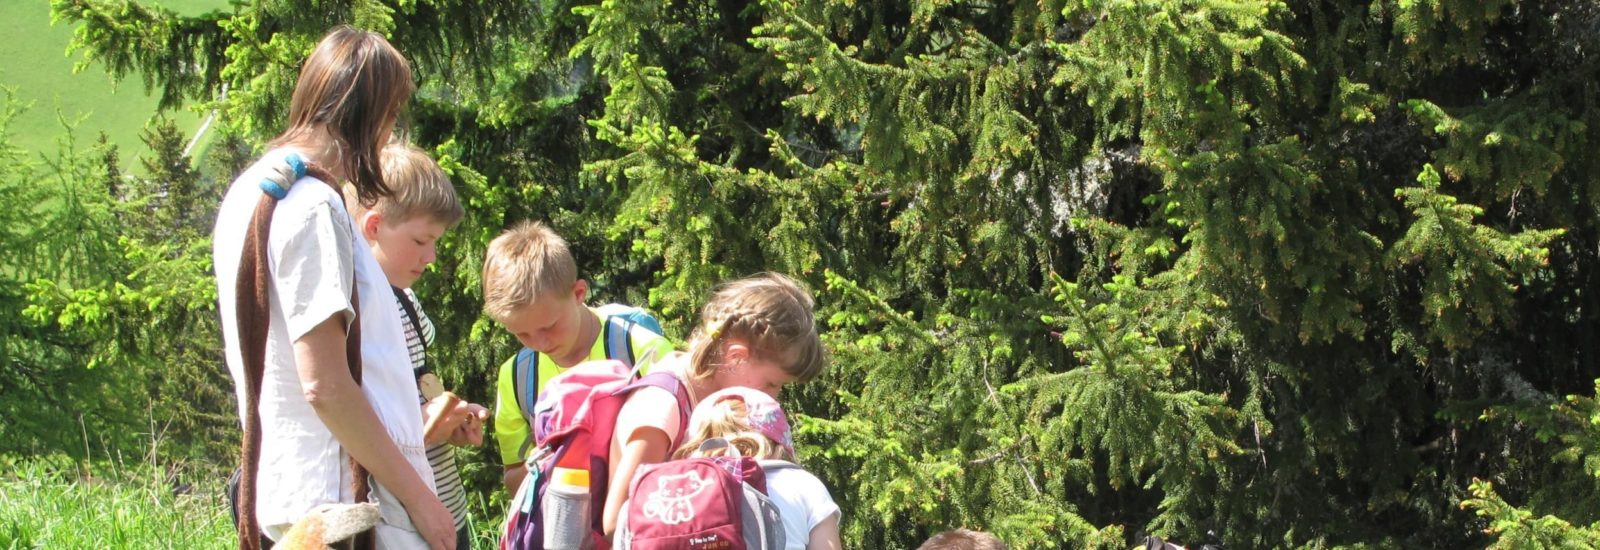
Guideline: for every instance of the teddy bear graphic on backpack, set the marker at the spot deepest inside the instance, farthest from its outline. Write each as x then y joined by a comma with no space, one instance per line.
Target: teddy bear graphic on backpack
672,501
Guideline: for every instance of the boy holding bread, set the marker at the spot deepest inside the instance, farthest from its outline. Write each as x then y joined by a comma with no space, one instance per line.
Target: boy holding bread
402,230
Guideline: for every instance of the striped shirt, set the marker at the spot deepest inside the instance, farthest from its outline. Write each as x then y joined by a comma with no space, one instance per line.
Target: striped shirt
443,460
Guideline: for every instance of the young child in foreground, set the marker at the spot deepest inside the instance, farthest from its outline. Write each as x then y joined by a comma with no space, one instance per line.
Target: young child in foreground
531,287
758,332
754,423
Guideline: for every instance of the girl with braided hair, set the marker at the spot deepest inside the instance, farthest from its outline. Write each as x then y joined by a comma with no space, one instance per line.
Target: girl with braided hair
326,393
757,332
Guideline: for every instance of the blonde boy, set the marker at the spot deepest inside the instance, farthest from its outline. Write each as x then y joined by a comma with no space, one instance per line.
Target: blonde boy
531,287
403,230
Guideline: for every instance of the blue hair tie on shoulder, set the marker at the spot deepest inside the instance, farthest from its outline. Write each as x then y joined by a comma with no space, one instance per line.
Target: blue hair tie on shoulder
281,177
297,163
272,188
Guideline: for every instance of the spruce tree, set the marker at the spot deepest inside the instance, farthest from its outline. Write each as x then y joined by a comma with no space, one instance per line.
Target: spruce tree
1088,270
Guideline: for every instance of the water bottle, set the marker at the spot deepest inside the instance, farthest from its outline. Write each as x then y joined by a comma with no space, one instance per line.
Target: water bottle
566,510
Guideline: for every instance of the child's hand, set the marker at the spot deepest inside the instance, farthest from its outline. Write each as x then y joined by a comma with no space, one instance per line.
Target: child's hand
470,432
442,416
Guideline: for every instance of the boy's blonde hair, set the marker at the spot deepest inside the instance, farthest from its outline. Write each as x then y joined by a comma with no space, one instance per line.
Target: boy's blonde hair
417,187
729,419
771,313
963,539
522,264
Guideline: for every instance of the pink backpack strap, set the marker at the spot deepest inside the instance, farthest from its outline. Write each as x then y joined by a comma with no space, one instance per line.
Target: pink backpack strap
606,422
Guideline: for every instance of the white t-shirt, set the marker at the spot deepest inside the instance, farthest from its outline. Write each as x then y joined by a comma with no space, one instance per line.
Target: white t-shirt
802,500
312,252
441,458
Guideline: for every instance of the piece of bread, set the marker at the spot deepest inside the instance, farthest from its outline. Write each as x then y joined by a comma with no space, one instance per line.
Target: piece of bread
430,386
445,413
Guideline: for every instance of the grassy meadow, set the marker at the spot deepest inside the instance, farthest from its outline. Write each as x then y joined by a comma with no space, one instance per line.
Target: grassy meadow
54,504
35,63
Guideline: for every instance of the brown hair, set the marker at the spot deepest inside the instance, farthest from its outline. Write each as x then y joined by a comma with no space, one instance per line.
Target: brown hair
521,264
963,539
771,313
352,86
730,419
417,187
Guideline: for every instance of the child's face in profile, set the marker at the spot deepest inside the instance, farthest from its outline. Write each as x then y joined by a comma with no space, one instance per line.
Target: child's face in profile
759,373
550,325
405,249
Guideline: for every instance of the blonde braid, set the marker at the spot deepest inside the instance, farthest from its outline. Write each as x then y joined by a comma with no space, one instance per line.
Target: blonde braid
770,312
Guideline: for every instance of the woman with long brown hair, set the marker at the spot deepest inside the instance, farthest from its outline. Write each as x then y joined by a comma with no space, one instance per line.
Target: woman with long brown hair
326,393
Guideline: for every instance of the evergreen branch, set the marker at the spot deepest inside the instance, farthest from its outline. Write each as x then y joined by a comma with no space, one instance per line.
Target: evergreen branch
839,282
1003,453
1067,293
1467,265
1516,528
1021,465
794,23
183,56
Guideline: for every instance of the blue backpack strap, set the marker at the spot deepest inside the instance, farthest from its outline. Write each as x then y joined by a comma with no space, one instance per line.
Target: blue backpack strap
525,383
644,319
620,320
619,344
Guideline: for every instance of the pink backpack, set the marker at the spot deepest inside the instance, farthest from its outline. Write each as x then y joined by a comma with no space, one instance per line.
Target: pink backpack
573,420
700,503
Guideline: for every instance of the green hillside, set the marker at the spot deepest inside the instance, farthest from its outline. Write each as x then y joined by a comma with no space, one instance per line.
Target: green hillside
37,66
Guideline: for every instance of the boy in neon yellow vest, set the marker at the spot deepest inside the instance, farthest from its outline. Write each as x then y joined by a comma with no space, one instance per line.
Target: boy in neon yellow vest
531,287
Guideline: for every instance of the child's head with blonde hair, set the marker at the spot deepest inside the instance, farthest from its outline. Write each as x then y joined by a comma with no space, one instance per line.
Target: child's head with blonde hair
751,421
531,287
404,226
526,263
766,317
420,188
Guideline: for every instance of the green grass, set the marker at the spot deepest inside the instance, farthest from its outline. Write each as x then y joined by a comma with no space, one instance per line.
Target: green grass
36,63
50,506
53,503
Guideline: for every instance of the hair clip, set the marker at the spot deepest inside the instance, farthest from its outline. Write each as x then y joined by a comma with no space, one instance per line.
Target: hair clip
282,176
714,328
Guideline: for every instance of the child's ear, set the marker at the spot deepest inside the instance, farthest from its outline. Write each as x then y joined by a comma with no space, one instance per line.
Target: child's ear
735,351
369,224
580,290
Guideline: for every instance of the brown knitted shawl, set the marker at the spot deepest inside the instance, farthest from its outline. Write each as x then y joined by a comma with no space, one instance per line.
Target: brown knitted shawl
254,313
